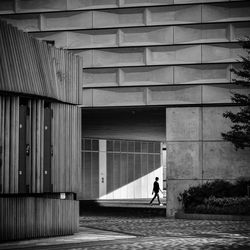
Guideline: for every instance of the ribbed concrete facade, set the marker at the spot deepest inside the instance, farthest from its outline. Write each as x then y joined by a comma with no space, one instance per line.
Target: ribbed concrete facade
173,55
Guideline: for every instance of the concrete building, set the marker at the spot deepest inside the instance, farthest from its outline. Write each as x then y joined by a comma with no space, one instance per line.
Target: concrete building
156,81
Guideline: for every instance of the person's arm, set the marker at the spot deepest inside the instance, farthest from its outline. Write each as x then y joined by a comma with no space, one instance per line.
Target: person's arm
160,189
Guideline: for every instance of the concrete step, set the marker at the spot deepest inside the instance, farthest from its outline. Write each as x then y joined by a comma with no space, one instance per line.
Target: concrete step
122,207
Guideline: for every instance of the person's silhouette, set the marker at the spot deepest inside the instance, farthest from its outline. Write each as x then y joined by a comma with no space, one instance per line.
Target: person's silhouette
156,189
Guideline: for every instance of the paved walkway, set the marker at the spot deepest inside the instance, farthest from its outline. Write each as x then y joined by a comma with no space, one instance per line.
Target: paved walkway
162,233
106,232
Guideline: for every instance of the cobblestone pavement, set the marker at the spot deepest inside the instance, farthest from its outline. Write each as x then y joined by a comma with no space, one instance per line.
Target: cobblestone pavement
162,233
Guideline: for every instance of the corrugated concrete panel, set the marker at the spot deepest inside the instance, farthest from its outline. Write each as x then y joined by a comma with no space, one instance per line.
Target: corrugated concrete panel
175,55
119,17
221,93
146,36
175,14
59,38
67,20
118,97
202,33
88,39
222,53
201,74
40,5
88,4
147,76
126,3
157,75
219,12
118,57
100,77
129,96
240,30
7,6
161,95
27,23
174,95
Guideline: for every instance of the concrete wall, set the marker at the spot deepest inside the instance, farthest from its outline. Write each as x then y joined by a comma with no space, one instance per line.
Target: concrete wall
196,152
129,44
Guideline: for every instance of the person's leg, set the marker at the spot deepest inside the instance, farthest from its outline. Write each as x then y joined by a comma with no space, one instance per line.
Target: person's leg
153,199
158,197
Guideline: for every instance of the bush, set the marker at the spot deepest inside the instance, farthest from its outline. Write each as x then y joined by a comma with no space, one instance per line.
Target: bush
206,198
232,205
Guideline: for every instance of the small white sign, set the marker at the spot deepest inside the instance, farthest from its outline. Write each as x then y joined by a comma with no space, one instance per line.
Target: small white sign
62,196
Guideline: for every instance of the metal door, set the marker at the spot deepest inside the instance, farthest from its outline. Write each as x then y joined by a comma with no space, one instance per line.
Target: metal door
24,149
47,186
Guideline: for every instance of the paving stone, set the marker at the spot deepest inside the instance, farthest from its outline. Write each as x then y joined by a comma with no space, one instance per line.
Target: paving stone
163,233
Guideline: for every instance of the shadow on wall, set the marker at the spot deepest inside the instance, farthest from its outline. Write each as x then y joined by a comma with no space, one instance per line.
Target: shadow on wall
119,169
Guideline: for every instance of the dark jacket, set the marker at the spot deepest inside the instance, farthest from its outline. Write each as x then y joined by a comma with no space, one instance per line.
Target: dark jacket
156,188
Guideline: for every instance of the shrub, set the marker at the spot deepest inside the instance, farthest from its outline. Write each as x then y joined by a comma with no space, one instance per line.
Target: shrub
205,197
231,205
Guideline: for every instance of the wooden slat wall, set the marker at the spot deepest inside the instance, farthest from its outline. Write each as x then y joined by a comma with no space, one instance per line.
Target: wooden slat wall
32,217
9,136
66,140
37,145
32,67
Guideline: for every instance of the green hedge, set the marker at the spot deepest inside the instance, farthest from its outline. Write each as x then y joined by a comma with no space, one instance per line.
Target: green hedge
217,197
233,205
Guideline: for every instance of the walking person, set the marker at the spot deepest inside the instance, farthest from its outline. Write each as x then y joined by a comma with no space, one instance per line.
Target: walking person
156,189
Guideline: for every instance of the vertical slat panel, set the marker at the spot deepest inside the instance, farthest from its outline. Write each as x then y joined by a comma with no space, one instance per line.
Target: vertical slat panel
12,144
15,59
33,146
33,67
38,150
71,145
7,146
16,142
9,58
1,145
63,164
67,142
56,157
5,76
42,145
77,133
27,217
117,172
88,176
95,175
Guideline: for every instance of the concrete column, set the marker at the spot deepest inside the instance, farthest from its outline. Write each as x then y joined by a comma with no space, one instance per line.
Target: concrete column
184,150
102,168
